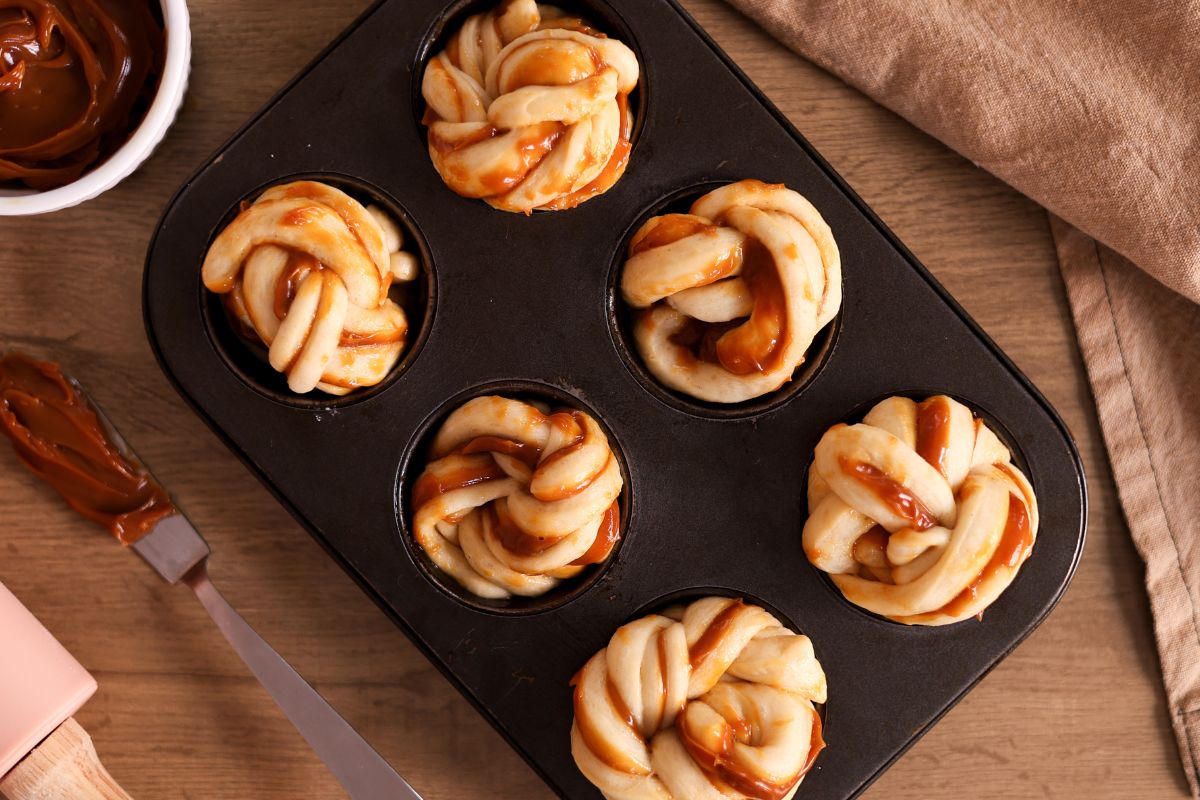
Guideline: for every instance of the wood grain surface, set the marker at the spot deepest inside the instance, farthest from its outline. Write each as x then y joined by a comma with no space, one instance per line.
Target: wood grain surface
1077,711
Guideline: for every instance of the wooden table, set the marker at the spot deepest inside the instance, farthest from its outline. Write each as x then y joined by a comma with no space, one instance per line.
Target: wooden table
1077,711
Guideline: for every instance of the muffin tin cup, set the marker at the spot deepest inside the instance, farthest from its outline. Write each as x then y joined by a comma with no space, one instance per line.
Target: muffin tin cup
247,357
622,317
856,415
716,500
416,456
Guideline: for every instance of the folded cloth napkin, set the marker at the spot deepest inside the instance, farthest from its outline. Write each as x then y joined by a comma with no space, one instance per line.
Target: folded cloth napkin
1091,108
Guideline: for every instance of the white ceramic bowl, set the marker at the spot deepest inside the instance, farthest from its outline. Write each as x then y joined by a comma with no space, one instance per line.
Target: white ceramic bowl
121,164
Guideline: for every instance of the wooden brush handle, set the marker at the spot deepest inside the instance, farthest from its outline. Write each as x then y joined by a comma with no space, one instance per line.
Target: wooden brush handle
64,766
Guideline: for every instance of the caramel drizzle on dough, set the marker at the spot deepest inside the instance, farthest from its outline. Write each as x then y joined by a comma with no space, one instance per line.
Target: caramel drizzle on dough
745,345
606,538
891,492
525,453
431,485
711,638
612,171
594,740
724,770
933,443
933,432
514,538
1015,546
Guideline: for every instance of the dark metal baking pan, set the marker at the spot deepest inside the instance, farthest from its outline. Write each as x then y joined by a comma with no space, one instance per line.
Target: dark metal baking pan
715,499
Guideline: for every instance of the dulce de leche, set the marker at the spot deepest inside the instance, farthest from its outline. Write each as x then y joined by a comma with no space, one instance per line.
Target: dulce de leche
76,77
59,436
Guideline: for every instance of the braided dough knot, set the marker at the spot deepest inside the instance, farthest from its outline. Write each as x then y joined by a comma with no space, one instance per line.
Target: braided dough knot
711,701
918,513
514,499
528,108
732,293
307,269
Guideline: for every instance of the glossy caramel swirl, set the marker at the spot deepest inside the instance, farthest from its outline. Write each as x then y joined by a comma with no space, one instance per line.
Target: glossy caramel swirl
307,270
514,500
730,295
59,436
528,108
76,77
711,701
918,513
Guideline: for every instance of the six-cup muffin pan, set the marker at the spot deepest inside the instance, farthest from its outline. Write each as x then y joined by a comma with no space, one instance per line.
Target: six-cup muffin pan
714,497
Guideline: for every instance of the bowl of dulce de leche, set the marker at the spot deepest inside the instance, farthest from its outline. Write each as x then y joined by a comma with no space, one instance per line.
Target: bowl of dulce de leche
88,89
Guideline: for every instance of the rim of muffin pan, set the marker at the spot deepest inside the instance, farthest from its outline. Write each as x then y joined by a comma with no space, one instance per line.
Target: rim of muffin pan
854,416
621,320
598,12
415,457
685,596
247,359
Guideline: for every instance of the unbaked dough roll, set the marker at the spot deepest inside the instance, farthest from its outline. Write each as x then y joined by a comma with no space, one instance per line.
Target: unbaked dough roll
709,700
306,269
514,499
528,108
730,295
918,513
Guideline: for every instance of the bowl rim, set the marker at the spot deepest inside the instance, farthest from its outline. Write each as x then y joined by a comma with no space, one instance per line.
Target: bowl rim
146,137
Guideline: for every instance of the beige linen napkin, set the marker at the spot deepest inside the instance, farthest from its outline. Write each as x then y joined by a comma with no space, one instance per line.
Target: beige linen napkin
1091,108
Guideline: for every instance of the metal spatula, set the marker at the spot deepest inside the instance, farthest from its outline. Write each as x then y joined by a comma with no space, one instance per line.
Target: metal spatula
179,554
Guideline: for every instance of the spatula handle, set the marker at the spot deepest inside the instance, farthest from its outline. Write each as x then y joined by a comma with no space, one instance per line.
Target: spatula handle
361,771
64,765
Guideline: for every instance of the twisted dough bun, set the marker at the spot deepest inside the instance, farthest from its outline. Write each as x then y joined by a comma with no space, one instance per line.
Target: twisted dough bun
306,269
732,294
918,513
529,108
513,500
712,701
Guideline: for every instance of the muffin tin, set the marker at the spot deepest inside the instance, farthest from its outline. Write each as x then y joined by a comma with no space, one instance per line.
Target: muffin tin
714,499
